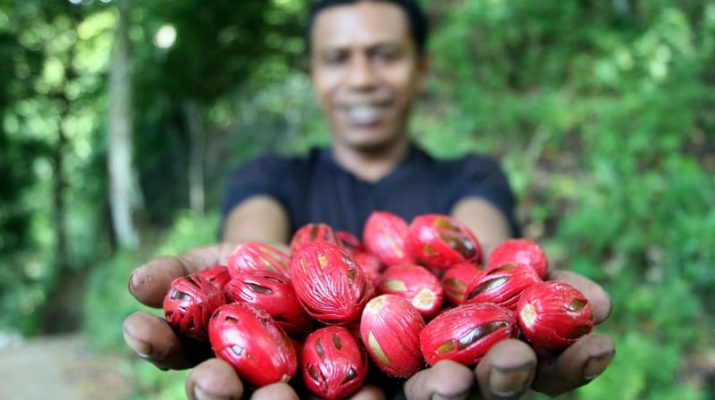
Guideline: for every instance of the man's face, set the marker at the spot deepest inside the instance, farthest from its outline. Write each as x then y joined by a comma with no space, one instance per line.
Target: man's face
365,70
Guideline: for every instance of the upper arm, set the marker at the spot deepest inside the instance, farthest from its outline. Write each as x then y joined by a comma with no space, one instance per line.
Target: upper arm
258,218
484,201
256,201
485,220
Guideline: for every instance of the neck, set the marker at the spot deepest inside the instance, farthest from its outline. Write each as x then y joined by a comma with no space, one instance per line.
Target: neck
371,164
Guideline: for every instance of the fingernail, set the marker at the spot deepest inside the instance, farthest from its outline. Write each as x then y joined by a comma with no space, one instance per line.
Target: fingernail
133,281
460,396
199,394
142,349
509,383
596,365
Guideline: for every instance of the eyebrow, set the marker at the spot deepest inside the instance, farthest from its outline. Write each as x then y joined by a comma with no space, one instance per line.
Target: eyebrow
339,46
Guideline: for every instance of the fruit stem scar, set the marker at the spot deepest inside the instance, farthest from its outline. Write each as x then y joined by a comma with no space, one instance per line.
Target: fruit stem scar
528,315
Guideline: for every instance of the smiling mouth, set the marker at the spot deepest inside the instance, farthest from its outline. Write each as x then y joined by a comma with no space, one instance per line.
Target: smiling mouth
365,115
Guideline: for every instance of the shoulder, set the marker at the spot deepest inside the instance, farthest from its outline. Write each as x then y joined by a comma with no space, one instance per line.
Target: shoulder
469,164
271,163
479,160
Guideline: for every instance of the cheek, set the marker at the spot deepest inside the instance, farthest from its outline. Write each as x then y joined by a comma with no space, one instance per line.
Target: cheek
325,84
404,81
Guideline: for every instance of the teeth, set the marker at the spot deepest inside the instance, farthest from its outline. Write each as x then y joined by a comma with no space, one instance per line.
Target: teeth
364,114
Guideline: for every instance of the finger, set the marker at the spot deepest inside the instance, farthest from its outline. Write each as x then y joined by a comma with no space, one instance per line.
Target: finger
599,299
446,380
153,339
369,392
507,370
150,282
275,391
577,365
213,379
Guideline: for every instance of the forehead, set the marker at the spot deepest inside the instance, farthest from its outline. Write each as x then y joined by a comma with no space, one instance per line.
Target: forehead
360,24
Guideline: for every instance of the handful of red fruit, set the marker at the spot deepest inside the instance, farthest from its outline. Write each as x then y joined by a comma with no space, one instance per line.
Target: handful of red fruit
383,299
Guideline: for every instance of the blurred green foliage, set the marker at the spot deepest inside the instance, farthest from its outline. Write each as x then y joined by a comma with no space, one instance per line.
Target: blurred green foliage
603,114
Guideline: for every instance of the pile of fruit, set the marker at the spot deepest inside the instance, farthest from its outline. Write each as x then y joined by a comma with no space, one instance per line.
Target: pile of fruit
407,296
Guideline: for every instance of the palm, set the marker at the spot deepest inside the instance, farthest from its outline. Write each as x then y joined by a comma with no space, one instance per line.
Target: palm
507,370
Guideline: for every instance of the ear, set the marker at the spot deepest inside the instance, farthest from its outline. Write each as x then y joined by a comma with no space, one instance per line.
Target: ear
304,65
423,70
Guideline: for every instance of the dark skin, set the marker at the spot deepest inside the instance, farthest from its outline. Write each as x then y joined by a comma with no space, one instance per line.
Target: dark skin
366,72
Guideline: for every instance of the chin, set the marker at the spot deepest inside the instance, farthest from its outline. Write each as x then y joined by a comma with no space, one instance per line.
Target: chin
370,142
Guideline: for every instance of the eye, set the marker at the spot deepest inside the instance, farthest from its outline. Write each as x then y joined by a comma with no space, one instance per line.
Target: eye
333,58
386,54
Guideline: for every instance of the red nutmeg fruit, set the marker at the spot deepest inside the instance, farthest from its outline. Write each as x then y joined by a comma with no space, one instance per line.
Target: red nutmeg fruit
274,293
248,338
257,256
389,329
189,303
333,362
503,285
440,241
370,265
349,241
312,233
456,280
217,274
416,285
385,236
465,333
553,315
329,283
520,251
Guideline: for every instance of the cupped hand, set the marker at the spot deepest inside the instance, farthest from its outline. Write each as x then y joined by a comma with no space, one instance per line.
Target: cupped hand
506,372
152,338
511,367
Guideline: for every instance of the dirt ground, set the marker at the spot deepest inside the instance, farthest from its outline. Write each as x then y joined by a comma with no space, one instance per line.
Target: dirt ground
58,368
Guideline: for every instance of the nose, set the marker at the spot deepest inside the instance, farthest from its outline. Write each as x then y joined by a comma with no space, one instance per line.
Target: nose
362,74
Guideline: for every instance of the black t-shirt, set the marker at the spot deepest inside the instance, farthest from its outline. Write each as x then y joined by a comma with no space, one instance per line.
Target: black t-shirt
314,188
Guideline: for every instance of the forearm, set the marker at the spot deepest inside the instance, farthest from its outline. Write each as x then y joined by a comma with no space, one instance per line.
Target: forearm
487,222
258,218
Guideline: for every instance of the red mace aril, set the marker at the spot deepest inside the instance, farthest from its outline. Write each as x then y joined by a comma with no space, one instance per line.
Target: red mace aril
189,303
217,274
334,364
455,281
256,256
466,333
370,265
274,293
553,315
503,285
311,233
246,337
389,329
440,241
520,251
329,283
349,241
416,285
385,236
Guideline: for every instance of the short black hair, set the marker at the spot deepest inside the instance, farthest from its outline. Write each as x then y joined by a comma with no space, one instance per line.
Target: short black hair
416,18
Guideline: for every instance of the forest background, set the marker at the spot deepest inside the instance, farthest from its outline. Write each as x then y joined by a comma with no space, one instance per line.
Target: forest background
120,121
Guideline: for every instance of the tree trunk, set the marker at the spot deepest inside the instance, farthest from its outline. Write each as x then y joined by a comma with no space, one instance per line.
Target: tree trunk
122,179
197,144
59,185
62,311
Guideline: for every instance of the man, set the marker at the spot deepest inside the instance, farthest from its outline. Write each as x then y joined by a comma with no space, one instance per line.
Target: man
367,62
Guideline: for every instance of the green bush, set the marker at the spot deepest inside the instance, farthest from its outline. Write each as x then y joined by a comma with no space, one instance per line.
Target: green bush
599,114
